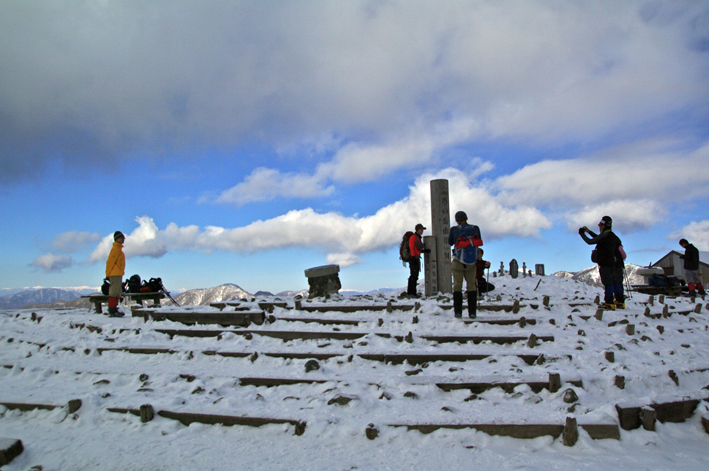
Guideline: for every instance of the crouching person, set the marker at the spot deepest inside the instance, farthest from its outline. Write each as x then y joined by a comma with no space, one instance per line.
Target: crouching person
465,239
115,269
481,265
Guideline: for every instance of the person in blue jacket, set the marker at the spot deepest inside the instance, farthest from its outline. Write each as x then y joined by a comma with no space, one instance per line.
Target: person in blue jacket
465,239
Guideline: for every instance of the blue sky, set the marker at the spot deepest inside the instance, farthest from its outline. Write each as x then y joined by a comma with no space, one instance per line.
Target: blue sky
244,142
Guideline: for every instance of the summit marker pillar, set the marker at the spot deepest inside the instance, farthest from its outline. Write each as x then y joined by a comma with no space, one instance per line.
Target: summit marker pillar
440,227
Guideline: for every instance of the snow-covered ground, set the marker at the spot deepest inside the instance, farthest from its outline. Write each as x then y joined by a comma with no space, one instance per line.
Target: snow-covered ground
52,360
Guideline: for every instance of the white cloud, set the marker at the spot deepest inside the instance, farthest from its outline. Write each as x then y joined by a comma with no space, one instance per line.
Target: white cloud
213,74
344,260
52,263
627,215
631,183
264,184
144,241
697,233
73,241
343,237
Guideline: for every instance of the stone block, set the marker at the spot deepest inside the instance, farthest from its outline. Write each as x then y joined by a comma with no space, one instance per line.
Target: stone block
323,281
10,448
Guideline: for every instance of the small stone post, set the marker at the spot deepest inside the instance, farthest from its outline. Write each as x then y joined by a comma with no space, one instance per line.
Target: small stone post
554,382
514,268
571,432
524,269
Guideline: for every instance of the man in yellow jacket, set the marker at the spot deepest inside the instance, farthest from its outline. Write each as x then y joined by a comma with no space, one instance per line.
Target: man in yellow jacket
115,269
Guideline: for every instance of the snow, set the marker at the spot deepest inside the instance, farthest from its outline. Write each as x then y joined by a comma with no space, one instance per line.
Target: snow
55,360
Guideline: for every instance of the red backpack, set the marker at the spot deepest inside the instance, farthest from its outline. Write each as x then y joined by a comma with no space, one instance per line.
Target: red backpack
404,250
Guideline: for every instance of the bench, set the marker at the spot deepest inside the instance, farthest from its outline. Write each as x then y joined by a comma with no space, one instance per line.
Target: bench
99,299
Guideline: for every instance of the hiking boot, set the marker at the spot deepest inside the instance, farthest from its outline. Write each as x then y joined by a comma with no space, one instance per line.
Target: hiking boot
608,306
472,304
458,304
692,294
619,305
114,312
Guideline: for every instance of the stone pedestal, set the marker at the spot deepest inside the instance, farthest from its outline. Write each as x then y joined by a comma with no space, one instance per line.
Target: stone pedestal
323,281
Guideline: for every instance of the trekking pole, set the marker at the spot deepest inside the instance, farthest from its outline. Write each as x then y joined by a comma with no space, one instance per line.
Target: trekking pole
167,293
487,293
627,282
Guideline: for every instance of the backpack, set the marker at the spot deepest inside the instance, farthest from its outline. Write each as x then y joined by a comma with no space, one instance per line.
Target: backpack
134,284
152,286
404,249
466,247
622,253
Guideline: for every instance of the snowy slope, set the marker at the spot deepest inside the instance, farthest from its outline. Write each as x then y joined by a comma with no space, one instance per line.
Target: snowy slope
53,360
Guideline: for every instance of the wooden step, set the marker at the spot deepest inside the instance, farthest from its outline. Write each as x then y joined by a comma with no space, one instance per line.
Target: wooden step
187,418
235,318
595,431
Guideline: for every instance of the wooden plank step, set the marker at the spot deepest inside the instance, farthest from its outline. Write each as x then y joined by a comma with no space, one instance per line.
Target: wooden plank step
392,358
271,382
507,386
501,339
187,418
595,431
312,335
211,317
474,387
315,320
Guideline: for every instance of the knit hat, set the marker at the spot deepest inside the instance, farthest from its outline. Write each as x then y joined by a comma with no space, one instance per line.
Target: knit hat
607,222
460,216
117,235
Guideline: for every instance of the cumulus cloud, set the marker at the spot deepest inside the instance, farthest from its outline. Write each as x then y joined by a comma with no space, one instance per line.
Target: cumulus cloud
265,184
645,170
344,260
697,233
627,215
51,263
73,241
145,241
208,75
344,238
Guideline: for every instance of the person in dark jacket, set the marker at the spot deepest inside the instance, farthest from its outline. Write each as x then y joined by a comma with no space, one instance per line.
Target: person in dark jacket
691,268
610,262
416,248
481,265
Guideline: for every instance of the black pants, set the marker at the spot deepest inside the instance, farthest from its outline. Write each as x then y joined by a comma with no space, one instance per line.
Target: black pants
415,269
484,286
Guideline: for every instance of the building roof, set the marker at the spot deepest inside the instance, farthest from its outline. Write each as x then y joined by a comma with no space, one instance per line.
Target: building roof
703,257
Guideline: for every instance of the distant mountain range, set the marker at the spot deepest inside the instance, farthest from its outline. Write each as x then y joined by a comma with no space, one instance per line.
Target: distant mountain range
37,296
58,298
592,277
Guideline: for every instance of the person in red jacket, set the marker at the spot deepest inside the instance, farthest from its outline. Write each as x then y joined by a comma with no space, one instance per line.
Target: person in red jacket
416,248
115,269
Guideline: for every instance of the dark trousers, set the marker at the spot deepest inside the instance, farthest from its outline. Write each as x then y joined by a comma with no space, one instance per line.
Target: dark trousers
612,279
415,269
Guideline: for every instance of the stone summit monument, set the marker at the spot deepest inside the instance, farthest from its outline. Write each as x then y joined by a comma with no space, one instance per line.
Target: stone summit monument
323,281
437,263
